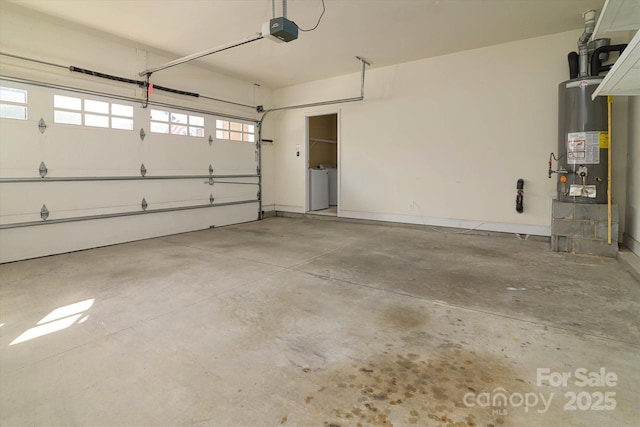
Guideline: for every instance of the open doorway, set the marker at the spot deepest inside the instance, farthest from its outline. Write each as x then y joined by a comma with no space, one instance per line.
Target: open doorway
322,164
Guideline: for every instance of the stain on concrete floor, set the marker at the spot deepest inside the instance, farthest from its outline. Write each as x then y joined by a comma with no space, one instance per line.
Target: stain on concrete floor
392,389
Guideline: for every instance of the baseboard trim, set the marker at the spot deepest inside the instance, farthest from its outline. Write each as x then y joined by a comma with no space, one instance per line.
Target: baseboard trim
288,208
535,230
632,244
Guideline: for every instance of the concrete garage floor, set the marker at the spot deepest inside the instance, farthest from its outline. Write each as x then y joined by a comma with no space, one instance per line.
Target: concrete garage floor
303,322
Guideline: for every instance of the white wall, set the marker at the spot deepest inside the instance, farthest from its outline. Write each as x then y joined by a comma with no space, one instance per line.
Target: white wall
81,151
442,141
632,232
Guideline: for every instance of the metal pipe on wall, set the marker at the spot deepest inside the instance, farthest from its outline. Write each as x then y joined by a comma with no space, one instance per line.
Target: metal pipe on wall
121,214
363,63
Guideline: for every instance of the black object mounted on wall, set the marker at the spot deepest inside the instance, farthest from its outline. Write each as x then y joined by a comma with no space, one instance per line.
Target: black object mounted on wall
520,196
596,60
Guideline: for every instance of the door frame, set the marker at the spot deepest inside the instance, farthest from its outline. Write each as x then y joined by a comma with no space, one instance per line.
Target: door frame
306,154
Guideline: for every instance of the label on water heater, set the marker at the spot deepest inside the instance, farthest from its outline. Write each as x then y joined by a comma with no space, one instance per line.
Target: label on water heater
604,140
583,191
583,148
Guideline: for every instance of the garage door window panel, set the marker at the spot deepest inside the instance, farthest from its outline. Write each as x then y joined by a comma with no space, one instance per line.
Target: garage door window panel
93,113
169,122
235,131
13,103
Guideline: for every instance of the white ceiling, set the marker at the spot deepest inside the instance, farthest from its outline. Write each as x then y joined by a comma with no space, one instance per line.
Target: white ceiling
384,32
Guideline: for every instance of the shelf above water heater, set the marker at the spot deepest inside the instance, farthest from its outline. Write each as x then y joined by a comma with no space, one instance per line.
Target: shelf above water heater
618,15
624,76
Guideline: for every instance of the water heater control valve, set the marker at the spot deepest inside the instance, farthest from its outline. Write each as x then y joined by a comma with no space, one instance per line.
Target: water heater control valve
551,171
582,171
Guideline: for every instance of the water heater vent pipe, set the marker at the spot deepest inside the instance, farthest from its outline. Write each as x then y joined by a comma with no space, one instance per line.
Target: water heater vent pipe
589,26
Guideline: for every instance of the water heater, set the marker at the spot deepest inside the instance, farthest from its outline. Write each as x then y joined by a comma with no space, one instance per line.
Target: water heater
582,142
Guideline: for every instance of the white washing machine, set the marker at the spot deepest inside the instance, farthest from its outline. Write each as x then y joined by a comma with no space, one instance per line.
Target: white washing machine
318,189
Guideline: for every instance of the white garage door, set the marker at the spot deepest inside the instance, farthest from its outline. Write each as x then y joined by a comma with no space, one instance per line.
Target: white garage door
88,177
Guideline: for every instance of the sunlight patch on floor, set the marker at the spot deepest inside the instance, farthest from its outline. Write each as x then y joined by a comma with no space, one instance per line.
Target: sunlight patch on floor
59,319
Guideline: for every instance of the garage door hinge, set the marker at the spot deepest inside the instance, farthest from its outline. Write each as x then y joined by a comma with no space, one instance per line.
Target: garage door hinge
44,212
43,170
143,170
144,204
210,170
210,140
211,199
42,125
258,195
258,170
142,134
